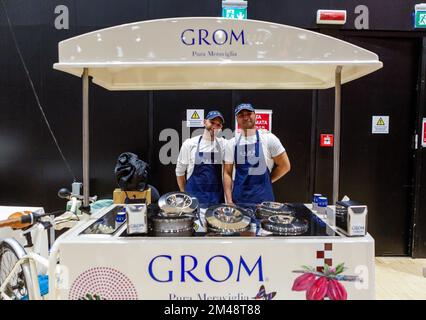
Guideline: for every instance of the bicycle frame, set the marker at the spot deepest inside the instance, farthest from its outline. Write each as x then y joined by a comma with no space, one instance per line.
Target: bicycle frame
33,287
33,263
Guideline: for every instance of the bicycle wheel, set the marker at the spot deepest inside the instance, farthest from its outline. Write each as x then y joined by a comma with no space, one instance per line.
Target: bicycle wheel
17,287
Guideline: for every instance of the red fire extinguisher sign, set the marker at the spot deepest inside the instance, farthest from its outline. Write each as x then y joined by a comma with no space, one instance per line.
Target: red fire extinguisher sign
327,140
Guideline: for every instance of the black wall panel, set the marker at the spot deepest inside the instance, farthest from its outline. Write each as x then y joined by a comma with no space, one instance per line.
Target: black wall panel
383,15
105,13
378,168
419,243
324,156
119,124
170,9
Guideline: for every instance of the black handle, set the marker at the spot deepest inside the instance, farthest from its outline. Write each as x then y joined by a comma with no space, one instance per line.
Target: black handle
29,240
64,193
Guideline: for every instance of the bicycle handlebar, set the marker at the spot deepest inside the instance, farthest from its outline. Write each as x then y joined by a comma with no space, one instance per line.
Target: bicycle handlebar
64,193
23,219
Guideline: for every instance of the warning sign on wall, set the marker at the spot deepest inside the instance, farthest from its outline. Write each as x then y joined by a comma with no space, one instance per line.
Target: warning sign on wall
195,118
380,125
263,120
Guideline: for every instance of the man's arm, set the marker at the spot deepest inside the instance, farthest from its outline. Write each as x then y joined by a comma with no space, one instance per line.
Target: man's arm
182,165
227,181
282,166
181,181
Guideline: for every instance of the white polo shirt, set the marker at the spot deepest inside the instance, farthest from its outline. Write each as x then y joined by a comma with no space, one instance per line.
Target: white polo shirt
186,159
271,146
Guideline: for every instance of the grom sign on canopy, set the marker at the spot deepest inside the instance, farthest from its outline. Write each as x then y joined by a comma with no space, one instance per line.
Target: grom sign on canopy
218,37
212,53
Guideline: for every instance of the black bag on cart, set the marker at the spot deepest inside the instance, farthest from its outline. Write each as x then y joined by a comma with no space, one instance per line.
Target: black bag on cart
131,172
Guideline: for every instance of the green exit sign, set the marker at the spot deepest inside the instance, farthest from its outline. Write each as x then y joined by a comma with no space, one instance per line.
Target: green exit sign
234,13
420,21
234,9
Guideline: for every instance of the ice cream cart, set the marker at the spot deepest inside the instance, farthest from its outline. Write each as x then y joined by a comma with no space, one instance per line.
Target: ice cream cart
210,53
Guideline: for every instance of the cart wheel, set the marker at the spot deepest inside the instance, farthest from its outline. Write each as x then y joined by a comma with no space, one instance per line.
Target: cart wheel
17,288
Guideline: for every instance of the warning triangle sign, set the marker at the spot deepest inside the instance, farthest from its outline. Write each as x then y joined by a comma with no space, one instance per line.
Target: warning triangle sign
380,122
195,115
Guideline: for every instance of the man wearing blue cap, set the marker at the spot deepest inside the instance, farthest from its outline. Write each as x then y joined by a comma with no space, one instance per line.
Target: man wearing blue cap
201,157
259,159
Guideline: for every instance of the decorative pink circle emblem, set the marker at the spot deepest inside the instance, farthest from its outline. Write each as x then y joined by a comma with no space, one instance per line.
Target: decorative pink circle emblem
102,283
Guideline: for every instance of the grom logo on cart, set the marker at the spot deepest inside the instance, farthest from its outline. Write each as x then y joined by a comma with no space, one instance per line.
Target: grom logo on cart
204,37
218,268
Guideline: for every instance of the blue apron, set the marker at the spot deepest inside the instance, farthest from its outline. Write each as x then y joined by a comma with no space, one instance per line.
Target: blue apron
205,183
252,182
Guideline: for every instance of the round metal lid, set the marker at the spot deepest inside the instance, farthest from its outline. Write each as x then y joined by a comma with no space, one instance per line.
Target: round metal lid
183,218
269,208
227,219
286,225
183,229
171,224
225,232
177,203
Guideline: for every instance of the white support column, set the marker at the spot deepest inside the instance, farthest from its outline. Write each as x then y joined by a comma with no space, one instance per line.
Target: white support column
337,120
86,189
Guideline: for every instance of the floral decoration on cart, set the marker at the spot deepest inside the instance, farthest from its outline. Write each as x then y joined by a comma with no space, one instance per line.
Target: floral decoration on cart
325,284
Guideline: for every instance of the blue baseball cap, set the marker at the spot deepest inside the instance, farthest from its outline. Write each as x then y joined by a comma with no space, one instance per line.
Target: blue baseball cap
214,114
244,106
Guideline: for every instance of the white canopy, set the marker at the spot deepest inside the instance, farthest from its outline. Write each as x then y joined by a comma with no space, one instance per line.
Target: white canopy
212,53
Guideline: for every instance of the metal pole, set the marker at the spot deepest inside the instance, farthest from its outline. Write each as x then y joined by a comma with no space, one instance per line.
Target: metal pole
336,149
86,191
